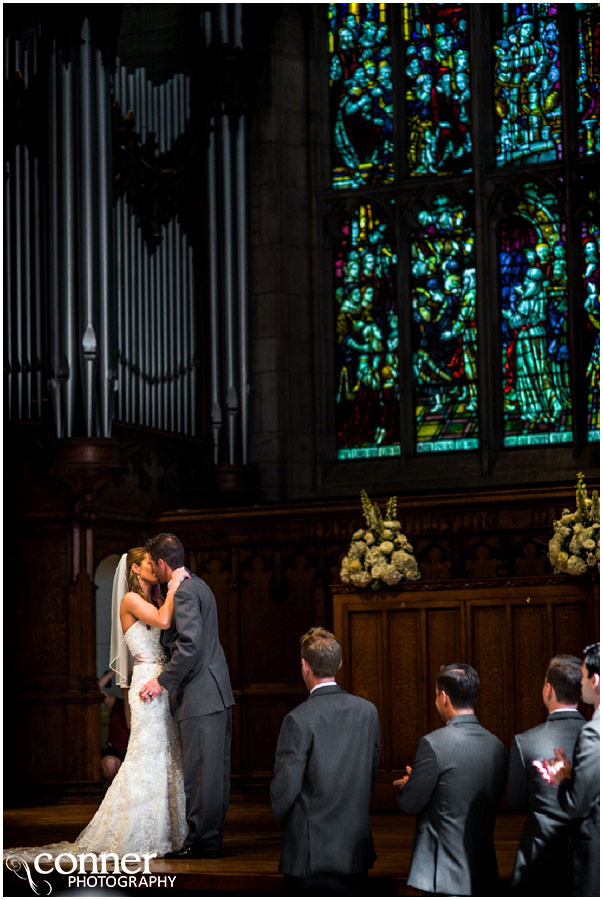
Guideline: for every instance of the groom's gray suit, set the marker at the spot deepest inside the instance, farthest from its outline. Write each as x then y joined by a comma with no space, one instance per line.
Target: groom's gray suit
198,683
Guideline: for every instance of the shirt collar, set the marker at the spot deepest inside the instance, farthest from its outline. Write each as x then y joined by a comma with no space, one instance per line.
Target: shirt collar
563,709
323,684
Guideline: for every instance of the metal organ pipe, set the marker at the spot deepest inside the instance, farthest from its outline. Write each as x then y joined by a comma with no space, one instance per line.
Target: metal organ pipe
37,288
89,341
53,280
105,236
27,292
67,287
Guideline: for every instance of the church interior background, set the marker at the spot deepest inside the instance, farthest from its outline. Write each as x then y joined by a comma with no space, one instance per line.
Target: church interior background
258,257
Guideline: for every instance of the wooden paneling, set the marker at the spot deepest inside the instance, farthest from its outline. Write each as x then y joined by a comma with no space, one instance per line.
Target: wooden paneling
507,630
404,691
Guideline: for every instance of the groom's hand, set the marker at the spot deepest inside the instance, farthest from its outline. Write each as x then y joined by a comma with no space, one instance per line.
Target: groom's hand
150,690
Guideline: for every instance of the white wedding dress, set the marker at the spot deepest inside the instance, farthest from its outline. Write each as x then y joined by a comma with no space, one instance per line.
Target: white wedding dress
143,810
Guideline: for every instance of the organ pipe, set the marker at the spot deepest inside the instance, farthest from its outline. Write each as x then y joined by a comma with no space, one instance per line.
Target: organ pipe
89,340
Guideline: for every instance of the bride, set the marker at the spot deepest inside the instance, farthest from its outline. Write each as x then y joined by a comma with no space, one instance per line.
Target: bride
143,810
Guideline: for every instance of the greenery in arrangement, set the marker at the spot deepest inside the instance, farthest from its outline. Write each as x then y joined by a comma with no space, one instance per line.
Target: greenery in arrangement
575,545
379,554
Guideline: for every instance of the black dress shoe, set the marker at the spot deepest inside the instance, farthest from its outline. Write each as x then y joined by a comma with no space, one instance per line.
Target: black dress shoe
192,853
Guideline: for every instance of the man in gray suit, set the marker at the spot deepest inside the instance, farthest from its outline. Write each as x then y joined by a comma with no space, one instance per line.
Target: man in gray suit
454,787
541,862
326,763
578,785
198,682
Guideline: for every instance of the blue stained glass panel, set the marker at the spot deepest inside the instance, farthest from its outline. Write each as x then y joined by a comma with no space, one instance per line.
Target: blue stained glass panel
534,303
361,95
437,88
445,328
591,271
588,82
527,87
368,393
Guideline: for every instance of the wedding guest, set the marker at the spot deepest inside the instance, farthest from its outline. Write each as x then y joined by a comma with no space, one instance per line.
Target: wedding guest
453,787
114,751
541,862
326,763
578,785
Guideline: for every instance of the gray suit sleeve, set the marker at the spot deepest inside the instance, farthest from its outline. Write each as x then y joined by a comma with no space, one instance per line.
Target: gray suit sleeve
416,794
578,794
289,768
376,751
517,790
187,621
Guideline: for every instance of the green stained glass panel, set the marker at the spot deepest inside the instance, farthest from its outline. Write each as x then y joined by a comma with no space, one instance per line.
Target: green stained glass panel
438,96
588,81
591,270
534,305
361,95
444,328
527,86
368,394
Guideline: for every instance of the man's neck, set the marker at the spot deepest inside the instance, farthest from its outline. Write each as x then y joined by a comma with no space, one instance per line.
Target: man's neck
316,682
452,713
597,701
556,705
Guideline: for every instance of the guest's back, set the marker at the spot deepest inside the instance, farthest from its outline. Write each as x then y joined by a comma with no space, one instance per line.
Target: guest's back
454,847
541,863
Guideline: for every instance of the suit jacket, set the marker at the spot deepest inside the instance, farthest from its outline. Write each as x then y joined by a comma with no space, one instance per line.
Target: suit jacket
326,763
196,676
579,798
541,861
457,781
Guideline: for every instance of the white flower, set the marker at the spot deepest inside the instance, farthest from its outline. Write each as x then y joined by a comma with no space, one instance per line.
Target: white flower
576,566
393,524
387,534
358,535
374,556
386,547
362,579
357,550
369,538
589,544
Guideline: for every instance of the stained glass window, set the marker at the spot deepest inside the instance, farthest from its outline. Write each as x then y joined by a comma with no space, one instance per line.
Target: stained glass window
445,328
591,273
588,78
533,283
527,87
437,88
361,94
368,398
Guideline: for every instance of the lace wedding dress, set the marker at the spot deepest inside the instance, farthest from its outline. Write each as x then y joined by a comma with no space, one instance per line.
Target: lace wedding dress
143,810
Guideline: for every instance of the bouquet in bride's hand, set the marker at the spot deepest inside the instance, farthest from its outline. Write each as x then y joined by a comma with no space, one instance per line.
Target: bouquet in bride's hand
380,553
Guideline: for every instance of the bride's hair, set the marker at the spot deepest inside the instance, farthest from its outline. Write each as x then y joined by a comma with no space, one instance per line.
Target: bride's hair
135,557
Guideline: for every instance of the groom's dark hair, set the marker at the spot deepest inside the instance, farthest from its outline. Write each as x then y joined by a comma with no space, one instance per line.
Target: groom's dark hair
167,547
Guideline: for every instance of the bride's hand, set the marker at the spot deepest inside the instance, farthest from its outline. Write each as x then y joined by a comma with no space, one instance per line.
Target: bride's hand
178,576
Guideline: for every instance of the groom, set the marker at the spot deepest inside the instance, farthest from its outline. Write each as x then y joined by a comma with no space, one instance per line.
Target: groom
198,682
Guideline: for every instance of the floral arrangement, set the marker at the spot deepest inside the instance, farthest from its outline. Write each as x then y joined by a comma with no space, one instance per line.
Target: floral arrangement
575,545
379,554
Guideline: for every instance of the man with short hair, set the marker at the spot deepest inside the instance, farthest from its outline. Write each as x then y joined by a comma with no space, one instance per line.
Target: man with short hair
198,682
579,785
326,763
541,861
454,787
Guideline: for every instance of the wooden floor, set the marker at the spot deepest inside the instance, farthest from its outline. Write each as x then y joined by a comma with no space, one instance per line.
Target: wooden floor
252,843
